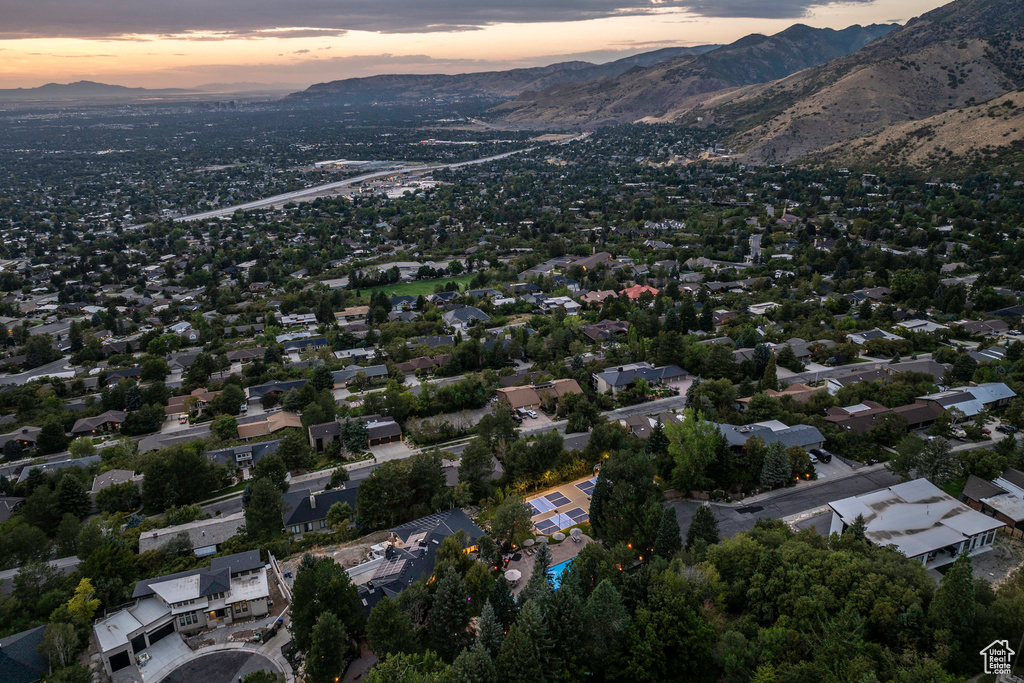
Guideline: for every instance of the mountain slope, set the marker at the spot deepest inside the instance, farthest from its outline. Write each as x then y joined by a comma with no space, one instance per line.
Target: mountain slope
964,53
679,84
82,90
488,85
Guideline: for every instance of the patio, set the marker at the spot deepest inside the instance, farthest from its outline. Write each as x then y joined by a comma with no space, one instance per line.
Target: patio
560,552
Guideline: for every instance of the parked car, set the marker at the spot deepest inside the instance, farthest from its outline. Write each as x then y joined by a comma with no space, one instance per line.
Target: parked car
532,414
986,430
244,408
821,454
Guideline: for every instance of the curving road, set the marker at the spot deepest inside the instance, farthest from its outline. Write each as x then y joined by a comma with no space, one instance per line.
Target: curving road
317,189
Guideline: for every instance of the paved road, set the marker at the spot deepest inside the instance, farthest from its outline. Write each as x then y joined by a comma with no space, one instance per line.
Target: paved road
223,666
58,368
733,519
317,189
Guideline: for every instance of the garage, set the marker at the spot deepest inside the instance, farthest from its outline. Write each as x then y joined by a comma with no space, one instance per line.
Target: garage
162,632
119,661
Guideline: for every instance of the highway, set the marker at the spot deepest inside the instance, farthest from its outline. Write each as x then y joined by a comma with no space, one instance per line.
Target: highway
317,189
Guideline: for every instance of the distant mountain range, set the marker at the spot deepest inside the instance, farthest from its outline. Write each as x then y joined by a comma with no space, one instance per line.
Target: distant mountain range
85,90
409,88
662,90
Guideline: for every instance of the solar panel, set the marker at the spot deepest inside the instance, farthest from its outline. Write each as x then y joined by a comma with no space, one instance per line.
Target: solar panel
576,514
557,499
587,486
546,526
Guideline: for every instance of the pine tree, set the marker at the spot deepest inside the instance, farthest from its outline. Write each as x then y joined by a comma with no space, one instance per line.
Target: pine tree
657,441
328,650
857,529
449,616
389,629
606,621
953,607
703,527
524,654
489,632
505,608
777,468
539,587
71,497
669,540
474,666
770,378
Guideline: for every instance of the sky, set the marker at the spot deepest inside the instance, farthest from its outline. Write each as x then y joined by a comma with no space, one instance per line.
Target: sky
291,44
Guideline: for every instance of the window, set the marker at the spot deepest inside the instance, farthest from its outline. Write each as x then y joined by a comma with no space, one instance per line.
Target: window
309,526
188,619
297,529
323,523
242,607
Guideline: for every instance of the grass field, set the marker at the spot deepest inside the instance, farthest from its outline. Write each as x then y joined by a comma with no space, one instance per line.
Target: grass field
423,287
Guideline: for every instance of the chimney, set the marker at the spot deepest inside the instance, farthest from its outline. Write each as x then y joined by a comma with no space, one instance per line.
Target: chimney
312,501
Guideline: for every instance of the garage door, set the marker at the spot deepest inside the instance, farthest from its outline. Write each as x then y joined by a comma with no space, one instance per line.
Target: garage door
162,632
119,661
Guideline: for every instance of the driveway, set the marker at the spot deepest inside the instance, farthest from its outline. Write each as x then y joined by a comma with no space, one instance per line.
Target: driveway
227,666
733,519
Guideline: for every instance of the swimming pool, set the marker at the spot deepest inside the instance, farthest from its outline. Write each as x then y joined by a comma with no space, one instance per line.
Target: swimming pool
555,573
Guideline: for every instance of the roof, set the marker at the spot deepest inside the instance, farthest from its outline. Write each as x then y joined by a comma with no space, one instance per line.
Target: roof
251,451
199,582
20,660
803,436
520,397
915,517
465,314
299,510
274,422
111,478
261,390
88,424
202,533
624,374
344,375
59,465
978,489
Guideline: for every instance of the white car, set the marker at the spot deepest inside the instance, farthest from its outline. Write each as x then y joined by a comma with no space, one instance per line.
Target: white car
532,414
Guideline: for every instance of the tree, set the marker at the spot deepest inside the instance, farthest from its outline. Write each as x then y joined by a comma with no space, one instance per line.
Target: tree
605,622
322,378
83,604
262,677
425,668
475,468
82,447
626,503
66,539
224,427
51,438
265,512
539,588
339,516
72,497
522,657
762,407
330,645
474,666
355,435
669,540
124,497
60,644
389,630
776,470
937,462
321,585
770,378
694,445
505,608
272,468
449,617
953,607
512,520
703,528
489,632
338,477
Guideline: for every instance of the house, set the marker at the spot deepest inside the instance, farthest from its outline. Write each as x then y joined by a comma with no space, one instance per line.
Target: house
205,535
443,298
298,319
180,362
918,325
619,378
8,506
380,430
597,296
797,391
861,338
113,478
109,421
563,302
274,387
306,512
354,314
972,400
244,457
176,405
409,555
422,364
860,418
606,329
373,374
762,308
591,262
115,376
25,436
301,345
641,426
1002,498
462,318
401,303
529,397
988,355
243,356
772,431
20,658
636,291
982,327
920,520
230,588
268,423
883,371
58,466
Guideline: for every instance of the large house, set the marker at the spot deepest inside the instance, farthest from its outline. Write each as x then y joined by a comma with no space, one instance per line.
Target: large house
109,421
231,588
373,373
972,400
920,520
178,405
772,431
243,458
409,554
619,378
267,423
380,430
606,329
205,535
274,387
462,318
530,396
25,436
1002,498
860,418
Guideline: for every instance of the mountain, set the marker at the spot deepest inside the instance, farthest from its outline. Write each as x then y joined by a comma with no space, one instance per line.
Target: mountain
666,89
397,88
84,90
887,101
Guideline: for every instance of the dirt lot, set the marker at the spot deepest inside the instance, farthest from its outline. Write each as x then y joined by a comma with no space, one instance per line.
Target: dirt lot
997,564
346,554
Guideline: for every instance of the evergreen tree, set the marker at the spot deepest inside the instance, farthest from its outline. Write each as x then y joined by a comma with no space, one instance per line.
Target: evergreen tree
489,632
523,655
474,666
857,529
777,468
321,585
606,622
449,617
953,607
329,648
770,378
389,629
265,511
657,441
71,496
703,527
669,540
505,608
322,378
539,588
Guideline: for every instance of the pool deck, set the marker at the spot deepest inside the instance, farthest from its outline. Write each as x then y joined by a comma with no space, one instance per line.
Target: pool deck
560,552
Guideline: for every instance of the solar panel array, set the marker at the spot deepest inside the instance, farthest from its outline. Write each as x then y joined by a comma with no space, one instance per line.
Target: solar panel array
559,521
557,499
587,486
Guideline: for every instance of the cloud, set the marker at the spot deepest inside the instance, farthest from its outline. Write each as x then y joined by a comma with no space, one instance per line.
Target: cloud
233,19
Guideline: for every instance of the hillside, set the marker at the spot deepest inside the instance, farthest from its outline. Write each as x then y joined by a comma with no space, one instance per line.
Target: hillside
962,54
486,85
674,86
83,90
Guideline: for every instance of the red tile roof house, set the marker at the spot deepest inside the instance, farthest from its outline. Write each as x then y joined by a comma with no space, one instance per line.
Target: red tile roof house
635,291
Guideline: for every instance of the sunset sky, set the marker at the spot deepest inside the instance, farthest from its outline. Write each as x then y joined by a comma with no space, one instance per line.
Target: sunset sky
293,43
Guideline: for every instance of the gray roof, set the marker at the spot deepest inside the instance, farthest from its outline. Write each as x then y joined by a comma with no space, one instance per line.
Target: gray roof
261,390
229,456
204,532
623,375
465,314
797,435
299,510
59,465
20,659
350,372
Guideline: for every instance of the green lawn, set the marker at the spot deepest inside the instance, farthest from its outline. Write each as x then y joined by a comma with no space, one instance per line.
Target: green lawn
423,287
